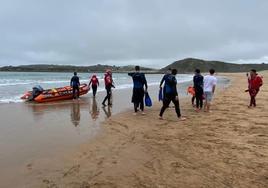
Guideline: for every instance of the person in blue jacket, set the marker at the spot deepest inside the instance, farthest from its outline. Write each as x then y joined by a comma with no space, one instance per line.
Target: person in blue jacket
198,81
75,84
139,82
171,94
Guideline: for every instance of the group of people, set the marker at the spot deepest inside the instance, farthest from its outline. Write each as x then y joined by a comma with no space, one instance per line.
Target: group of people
203,89
94,83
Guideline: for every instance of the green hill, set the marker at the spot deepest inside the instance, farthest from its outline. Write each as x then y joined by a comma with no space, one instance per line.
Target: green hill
190,64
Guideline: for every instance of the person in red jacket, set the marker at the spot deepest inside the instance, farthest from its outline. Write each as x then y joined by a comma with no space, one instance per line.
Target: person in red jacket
254,84
94,82
108,80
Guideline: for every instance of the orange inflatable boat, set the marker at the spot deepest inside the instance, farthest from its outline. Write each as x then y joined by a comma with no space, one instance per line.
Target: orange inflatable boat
55,94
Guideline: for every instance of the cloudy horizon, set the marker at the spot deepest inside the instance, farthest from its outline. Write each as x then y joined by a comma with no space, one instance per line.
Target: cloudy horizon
151,33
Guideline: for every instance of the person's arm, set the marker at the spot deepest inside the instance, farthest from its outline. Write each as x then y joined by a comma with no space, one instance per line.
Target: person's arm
194,81
71,82
175,87
260,81
145,83
130,74
213,88
214,85
162,81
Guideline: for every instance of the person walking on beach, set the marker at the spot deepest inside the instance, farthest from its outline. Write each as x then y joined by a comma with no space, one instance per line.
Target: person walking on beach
94,82
210,82
75,84
254,84
139,82
171,94
108,80
198,87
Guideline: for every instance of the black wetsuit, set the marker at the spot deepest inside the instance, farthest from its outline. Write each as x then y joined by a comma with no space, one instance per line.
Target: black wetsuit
139,81
170,95
198,87
75,83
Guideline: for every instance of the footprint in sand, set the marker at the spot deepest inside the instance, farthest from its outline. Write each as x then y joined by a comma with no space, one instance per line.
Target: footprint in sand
72,170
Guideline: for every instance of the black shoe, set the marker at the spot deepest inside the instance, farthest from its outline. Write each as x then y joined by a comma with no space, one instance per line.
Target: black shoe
103,104
110,104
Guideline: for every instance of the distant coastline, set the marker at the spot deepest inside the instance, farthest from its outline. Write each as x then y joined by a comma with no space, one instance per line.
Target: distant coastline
187,65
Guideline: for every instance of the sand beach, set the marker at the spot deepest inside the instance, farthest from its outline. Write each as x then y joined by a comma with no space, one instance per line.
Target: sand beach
225,148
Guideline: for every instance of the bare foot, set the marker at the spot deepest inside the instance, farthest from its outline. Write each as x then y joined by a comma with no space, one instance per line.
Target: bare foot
143,113
182,118
160,117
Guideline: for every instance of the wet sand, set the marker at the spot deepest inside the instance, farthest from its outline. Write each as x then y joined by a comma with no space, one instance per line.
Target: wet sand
225,148
31,131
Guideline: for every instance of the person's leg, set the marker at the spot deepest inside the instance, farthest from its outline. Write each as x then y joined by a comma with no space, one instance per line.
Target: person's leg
255,98
109,96
73,92
177,106
193,98
197,100
94,89
201,100
206,101
209,96
142,100
106,97
77,90
251,94
136,105
166,103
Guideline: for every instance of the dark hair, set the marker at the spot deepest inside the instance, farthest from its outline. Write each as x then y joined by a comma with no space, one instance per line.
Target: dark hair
197,71
75,73
137,68
253,70
211,71
174,71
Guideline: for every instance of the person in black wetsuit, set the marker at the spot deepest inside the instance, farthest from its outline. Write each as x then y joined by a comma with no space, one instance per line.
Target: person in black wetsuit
75,84
171,94
139,82
198,86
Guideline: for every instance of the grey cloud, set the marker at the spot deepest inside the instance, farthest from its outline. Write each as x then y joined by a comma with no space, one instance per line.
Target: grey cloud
126,31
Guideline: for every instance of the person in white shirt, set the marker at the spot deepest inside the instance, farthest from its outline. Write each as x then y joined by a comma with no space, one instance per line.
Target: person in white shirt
210,82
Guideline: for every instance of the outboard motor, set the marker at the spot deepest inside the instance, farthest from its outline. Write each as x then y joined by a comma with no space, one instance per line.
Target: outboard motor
37,90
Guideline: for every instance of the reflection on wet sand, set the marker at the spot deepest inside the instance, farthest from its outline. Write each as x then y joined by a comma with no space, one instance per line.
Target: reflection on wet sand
75,113
107,111
94,111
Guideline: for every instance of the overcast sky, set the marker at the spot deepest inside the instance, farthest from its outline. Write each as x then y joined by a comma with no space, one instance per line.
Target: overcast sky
121,32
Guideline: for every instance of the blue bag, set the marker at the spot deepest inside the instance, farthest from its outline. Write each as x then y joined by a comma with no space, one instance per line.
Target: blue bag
160,95
147,100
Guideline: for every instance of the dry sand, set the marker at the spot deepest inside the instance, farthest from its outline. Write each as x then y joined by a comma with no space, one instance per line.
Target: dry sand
225,148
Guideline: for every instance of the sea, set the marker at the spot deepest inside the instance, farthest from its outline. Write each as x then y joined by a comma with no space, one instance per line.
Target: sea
14,84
